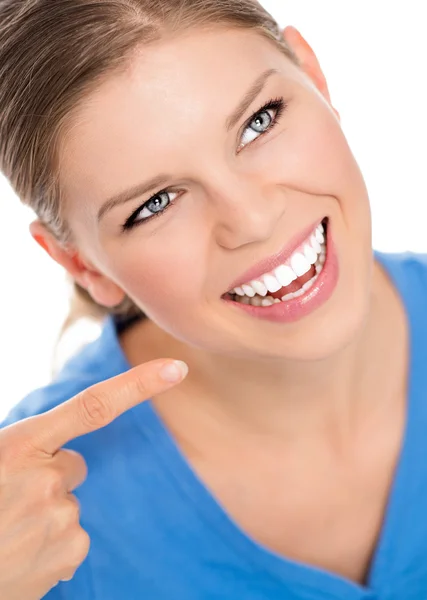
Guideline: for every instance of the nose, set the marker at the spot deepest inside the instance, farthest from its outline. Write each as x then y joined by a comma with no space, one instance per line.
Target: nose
244,211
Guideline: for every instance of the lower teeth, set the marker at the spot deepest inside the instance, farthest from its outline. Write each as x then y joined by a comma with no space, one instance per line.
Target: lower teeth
269,300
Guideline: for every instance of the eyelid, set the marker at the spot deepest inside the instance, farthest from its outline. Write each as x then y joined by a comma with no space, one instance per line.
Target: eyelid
266,106
254,113
130,222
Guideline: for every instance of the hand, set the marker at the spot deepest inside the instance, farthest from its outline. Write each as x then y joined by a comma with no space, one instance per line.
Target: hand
41,541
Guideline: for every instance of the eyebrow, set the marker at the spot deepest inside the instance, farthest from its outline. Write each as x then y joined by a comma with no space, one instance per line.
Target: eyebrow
135,191
255,89
161,180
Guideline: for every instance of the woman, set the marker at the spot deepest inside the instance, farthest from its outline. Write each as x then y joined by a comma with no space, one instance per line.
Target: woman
190,173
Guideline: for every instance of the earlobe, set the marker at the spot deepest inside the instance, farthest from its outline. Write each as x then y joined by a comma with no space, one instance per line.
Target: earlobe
103,290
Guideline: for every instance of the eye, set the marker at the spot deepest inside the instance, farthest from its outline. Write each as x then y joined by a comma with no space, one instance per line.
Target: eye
262,122
156,206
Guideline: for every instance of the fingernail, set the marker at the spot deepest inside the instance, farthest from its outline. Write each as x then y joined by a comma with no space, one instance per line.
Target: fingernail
174,371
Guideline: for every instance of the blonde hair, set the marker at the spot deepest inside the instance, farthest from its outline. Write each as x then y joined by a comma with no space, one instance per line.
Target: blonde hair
54,52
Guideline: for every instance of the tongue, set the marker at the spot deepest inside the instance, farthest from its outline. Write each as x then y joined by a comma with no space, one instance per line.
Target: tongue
295,285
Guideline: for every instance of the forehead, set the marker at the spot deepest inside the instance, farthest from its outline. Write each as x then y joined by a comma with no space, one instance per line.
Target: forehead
172,96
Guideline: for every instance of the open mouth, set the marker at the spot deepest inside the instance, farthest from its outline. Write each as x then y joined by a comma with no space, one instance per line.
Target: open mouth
289,280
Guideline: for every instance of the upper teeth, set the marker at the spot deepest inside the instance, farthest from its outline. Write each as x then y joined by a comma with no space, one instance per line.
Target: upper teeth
298,264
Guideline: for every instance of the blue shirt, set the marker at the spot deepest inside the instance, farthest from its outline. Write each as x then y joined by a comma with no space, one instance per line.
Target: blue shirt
157,533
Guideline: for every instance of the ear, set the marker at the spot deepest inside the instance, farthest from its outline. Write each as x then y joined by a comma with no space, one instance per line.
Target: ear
309,63
104,291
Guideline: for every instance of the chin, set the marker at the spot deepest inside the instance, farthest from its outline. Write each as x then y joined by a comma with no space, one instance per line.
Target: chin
319,338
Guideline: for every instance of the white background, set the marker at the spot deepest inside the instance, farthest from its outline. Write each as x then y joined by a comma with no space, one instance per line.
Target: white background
373,53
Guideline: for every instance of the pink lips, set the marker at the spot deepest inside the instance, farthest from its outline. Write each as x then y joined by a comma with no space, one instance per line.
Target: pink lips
272,262
297,308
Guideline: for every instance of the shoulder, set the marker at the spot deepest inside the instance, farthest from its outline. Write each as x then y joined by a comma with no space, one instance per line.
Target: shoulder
405,269
98,361
404,263
408,274
107,451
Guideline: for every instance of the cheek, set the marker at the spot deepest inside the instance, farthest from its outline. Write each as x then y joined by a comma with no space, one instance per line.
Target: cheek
312,154
322,164
165,274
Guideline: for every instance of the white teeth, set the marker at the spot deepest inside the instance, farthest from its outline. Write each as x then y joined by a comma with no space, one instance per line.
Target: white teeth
315,244
271,283
267,301
292,295
257,300
285,275
259,287
307,285
301,291
248,291
310,254
287,297
300,264
319,236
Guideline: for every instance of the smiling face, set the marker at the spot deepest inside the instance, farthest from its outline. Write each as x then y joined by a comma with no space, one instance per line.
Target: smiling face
219,185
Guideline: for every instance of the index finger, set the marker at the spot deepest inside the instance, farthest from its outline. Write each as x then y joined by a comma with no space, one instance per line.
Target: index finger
99,405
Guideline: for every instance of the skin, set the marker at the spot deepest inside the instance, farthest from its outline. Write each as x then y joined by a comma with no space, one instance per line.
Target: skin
318,387
41,540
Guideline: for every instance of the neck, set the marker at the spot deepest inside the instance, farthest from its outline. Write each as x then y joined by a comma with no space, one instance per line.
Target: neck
286,397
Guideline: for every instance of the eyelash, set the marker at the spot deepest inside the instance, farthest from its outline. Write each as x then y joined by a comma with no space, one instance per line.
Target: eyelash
278,105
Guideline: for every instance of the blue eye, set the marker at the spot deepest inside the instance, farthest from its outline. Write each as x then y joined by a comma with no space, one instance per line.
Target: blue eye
158,203
262,121
156,206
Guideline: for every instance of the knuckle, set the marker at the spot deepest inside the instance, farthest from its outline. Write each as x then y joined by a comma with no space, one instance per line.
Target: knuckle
67,575
67,515
72,515
140,388
94,408
50,482
73,461
80,470
79,548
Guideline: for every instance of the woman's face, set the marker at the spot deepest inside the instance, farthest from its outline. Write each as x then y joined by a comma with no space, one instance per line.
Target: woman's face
217,194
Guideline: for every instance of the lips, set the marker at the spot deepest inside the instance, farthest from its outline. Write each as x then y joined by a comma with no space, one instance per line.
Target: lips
296,305
269,264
